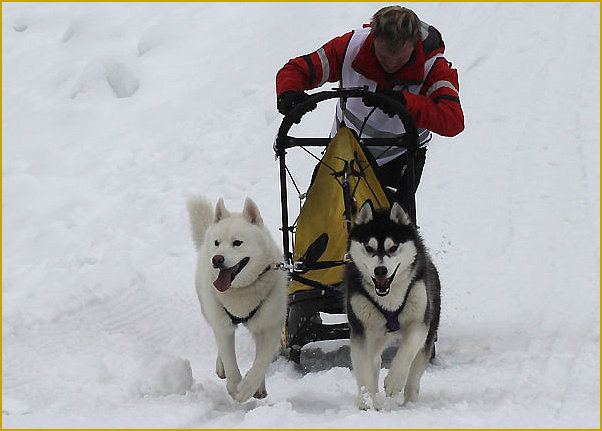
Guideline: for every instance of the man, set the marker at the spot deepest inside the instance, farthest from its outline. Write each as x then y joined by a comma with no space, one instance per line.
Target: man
396,54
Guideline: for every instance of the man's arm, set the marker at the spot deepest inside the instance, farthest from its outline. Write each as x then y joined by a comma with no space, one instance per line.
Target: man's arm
438,107
313,70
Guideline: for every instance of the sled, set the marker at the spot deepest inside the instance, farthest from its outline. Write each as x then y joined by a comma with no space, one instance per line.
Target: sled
315,242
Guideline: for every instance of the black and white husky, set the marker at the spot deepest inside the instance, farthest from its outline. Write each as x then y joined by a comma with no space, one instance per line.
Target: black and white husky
393,293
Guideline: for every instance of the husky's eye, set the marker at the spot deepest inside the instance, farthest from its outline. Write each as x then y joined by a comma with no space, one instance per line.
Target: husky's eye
369,249
237,243
393,249
216,243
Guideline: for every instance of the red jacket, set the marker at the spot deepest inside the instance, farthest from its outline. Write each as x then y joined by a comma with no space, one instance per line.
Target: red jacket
437,106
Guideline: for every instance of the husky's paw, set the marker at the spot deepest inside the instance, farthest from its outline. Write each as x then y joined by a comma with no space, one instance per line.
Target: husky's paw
410,394
411,397
249,387
219,368
363,399
393,385
366,401
232,386
261,393
376,405
362,403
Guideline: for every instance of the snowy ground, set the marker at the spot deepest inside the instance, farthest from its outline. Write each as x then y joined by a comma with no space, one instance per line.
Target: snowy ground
112,114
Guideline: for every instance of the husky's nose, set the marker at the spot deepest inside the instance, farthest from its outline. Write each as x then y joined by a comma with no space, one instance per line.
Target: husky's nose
380,271
218,261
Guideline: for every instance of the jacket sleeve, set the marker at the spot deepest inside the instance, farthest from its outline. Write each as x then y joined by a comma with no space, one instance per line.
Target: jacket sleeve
313,70
437,107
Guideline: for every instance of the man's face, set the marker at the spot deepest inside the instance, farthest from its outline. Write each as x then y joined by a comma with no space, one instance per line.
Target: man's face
392,61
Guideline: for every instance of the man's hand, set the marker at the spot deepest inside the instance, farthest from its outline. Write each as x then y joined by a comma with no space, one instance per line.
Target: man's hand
289,99
388,108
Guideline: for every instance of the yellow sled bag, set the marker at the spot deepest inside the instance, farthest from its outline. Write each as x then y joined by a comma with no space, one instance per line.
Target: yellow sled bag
321,234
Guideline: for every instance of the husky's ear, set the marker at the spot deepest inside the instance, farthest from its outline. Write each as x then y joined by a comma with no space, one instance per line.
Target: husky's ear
364,215
251,212
220,211
399,216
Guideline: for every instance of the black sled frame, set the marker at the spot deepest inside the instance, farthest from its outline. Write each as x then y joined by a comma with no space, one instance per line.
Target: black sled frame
303,323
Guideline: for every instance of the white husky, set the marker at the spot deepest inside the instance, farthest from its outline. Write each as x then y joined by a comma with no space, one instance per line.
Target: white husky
236,282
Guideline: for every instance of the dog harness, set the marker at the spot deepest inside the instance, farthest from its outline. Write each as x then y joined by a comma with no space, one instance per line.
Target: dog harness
238,320
392,317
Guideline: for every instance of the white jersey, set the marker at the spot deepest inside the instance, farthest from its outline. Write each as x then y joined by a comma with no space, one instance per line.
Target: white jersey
378,124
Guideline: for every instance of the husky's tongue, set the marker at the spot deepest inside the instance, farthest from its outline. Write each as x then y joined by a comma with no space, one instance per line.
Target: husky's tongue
226,275
382,281
382,285
224,279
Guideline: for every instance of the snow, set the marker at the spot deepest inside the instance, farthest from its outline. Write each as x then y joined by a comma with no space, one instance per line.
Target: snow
113,113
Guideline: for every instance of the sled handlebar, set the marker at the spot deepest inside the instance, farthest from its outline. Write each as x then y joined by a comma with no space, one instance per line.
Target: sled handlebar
408,140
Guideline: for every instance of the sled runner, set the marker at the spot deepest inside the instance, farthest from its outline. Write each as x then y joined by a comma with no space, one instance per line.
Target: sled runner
315,243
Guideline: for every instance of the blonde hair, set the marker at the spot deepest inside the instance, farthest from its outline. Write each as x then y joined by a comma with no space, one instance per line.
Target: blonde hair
396,25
